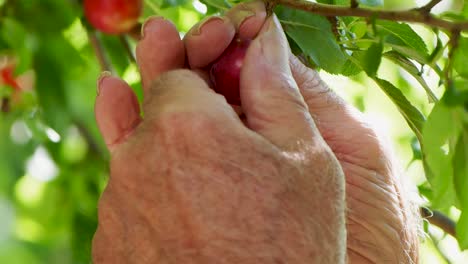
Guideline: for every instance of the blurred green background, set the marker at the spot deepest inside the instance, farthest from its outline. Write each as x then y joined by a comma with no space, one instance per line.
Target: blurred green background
53,162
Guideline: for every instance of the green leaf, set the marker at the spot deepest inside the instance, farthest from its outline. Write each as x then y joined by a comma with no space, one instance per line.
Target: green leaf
218,4
460,59
47,16
358,28
460,177
409,67
462,229
457,94
53,59
342,2
460,167
171,3
412,115
438,132
465,9
370,61
17,39
313,34
13,32
403,36
350,67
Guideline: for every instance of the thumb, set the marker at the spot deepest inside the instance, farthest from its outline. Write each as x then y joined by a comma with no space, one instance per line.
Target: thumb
270,97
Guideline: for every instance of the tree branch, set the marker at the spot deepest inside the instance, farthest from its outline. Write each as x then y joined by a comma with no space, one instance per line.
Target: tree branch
428,7
453,45
440,220
5,105
414,16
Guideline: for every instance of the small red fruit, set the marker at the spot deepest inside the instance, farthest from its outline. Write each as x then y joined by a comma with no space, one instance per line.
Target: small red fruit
8,77
113,16
225,72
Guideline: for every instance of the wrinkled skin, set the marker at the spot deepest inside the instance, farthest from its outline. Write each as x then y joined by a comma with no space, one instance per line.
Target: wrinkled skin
192,183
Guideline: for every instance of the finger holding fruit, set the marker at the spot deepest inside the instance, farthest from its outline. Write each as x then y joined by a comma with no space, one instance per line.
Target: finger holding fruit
220,65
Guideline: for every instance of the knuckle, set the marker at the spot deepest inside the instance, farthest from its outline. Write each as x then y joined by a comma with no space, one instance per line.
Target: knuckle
183,124
171,79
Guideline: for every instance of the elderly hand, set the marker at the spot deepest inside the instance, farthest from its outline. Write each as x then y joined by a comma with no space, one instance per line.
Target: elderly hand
192,183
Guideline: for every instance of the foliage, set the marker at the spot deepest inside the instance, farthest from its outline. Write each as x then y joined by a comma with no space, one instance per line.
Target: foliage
53,163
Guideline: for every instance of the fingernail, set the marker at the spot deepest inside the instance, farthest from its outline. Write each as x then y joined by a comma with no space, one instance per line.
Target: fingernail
208,21
101,79
150,21
243,11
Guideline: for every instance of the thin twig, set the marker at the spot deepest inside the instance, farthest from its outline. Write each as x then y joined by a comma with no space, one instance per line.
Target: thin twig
453,44
124,40
135,32
428,7
93,145
5,105
436,243
99,51
414,16
440,220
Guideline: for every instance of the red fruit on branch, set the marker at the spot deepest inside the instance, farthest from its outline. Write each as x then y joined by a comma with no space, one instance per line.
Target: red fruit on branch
113,16
225,72
8,78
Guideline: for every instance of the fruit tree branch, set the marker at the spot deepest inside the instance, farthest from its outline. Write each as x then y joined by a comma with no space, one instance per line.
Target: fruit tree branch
5,105
414,15
453,45
428,7
440,220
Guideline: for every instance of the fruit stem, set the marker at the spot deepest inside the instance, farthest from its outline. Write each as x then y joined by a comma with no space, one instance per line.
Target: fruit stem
99,51
270,6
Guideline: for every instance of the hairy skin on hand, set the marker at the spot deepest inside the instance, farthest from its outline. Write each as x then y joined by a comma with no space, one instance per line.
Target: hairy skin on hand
381,225
222,196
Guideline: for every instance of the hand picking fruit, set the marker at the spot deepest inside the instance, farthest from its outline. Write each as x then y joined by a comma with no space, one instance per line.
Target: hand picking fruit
304,180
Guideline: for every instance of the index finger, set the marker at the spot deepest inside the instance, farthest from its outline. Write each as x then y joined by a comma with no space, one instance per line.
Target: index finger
159,51
206,41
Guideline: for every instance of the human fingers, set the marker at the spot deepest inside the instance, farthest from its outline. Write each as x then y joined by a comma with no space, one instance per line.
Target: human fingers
116,109
216,32
248,18
184,92
207,40
159,50
270,96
